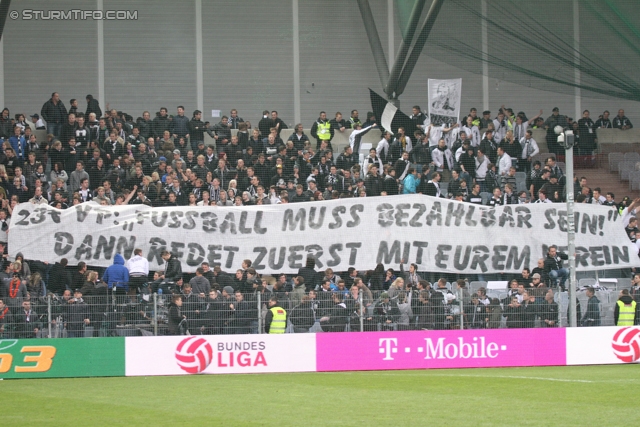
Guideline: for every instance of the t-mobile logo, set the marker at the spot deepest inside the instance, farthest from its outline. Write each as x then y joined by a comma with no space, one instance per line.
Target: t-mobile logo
388,346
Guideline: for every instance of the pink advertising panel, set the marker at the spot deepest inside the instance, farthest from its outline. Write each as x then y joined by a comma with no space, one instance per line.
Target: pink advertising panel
482,348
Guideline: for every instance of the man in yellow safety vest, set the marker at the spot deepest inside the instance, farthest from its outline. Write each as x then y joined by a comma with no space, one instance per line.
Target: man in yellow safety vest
626,310
276,320
322,130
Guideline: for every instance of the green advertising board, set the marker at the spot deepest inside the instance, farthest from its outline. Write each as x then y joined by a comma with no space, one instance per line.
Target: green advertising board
55,358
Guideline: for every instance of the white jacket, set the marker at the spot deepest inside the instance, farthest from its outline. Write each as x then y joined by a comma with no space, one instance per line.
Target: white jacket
439,157
504,164
138,265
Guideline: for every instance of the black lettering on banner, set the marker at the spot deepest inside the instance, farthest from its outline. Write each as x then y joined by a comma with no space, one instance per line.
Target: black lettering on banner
551,224
354,214
316,252
607,255
175,219
441,255
524,215
229,223
620,254
415,219
354,251
419,253
401,214
468,219
231,251
435,214
518,262
102,214
243,222
336,212
293,222
64,243
461,264
480,255
294,256
39,216
596,256
507,215
335,257
55,215
590,222
195,256
385,215
82,211
312,216
209,222
25,213
388,255
272,258
104,246
190,223
176,249
213,256
582,256
85,248
498,258
141,216
159,222
257,223
157,246
454,210
126,248
601,220
488,218
257,263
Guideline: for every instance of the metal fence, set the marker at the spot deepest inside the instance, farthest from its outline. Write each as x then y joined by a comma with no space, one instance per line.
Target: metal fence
112,314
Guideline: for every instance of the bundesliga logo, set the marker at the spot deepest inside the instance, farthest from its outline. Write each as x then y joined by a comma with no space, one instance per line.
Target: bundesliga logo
194,354
626,344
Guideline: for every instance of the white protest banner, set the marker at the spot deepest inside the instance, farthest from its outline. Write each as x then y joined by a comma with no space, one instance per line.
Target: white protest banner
444,101
436,234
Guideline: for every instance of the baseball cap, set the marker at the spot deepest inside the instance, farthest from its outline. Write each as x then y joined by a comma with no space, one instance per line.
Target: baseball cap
176,151
35,116
535,276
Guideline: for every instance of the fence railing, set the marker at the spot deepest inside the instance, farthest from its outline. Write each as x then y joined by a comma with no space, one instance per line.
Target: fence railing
113,314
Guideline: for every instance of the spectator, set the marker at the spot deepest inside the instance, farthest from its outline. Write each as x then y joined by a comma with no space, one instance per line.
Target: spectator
27,321
592,315
621,121
553,266
54,113
276,320
175,315
302,316
117,276
626,311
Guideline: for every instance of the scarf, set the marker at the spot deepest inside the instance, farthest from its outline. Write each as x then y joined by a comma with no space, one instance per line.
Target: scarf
14,285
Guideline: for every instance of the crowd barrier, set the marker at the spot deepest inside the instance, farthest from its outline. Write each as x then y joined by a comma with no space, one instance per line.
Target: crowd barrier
230,354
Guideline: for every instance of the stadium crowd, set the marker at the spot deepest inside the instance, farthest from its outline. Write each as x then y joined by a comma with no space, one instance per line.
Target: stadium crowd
113,159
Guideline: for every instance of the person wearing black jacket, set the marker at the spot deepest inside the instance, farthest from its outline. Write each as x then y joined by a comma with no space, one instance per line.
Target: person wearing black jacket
175,315
172,269
59,279
302,316
54,113
514,312
76,315
243,314
160,124
553,266
549,311
337,316
475,313
309,274
387,312
93,106
196,130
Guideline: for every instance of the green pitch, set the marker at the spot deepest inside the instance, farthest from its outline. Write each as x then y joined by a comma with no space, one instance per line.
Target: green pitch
593,395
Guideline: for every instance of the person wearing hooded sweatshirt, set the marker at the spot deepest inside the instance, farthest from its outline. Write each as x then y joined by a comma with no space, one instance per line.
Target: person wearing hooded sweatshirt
117,275
626,311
